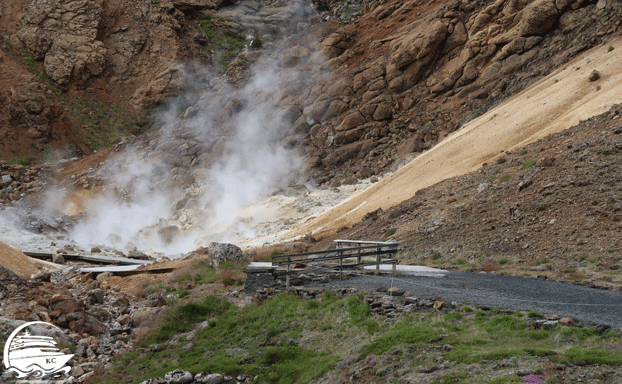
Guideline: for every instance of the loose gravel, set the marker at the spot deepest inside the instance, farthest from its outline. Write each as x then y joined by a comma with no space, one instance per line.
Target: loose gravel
597,306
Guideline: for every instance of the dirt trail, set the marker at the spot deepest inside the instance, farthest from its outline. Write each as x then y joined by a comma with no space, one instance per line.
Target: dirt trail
553,104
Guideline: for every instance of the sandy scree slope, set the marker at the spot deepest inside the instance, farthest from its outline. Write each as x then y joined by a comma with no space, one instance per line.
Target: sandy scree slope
553,104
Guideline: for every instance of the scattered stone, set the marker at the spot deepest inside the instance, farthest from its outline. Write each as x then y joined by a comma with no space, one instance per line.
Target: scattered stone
58,259
179,377
96,296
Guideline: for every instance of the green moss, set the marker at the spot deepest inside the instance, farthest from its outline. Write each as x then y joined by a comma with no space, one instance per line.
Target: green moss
529,164
225,48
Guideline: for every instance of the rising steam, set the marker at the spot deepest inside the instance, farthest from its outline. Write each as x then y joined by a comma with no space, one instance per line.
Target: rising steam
236,135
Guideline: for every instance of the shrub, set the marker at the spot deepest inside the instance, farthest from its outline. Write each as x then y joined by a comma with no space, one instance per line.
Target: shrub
490,265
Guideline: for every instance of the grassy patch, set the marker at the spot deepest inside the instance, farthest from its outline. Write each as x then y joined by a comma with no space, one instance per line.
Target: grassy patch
104,124
402,333
225,48
289,340
388,234
529,164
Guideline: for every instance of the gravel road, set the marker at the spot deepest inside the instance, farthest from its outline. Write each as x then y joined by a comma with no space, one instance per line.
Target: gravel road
513,292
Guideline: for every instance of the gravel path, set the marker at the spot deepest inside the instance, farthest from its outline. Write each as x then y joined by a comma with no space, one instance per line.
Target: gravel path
513,292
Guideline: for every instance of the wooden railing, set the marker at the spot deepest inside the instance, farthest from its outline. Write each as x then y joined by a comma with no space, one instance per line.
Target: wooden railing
343,252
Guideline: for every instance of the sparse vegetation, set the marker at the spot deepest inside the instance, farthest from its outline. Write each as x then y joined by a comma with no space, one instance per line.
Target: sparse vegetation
224,48
529,164
104,124
388,234
289,340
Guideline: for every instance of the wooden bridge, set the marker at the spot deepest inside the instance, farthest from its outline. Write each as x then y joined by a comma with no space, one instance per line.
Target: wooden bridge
347,254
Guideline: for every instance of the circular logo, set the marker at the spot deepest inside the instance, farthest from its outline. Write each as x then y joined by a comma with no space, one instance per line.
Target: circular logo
31,352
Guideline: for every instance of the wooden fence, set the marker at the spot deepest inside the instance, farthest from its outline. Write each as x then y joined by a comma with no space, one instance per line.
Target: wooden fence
344,256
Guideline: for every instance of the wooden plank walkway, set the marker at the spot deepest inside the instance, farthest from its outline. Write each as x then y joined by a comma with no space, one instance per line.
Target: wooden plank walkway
94,259
364,249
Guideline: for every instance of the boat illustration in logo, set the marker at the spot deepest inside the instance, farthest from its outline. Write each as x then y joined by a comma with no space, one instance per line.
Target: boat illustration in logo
34,356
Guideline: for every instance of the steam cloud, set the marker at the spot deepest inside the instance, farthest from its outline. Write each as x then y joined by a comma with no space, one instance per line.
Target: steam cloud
241,160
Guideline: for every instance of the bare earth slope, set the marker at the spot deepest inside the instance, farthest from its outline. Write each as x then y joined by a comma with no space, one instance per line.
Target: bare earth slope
553,104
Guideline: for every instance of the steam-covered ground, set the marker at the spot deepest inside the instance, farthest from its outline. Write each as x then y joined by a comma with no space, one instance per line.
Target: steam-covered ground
254,225
221,147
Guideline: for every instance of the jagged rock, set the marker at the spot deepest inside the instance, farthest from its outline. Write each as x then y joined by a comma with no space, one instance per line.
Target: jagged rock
223,252
237,71
155,300
383,112
410,145
457,38
158,89
417,48
352,120
96,296
62,33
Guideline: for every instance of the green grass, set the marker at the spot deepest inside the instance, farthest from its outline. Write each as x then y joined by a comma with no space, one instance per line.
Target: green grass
505,178
529,164
289,340
402,333
388,234
104,124
225,48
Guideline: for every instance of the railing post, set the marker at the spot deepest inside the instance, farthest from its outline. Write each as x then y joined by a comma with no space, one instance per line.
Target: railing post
378,260
358,259
340,254
287,278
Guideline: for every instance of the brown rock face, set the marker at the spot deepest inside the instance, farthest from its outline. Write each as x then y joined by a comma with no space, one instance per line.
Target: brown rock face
62,33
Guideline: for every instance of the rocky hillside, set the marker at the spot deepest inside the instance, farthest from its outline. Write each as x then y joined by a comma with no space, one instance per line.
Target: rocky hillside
77,75
356,88
80,74
551,210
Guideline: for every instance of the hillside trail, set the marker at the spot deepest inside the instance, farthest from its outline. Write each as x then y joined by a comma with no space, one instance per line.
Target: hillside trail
555,103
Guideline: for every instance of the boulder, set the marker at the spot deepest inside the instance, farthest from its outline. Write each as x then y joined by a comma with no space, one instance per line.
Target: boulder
169,233
538,17
383,112
457,38
418,47
352,120
179,377
157,90
223,252
96,296
410,145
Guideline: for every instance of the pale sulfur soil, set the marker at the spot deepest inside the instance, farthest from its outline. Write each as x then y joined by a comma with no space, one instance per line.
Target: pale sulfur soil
20,264
553,104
